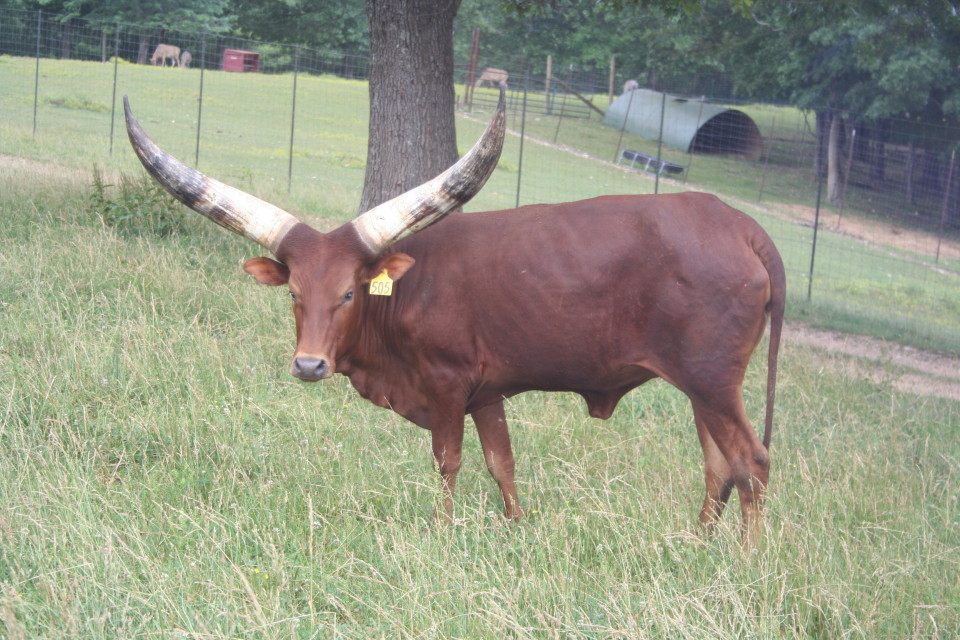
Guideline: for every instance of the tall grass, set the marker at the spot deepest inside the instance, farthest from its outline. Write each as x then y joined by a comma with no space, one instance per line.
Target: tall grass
161,475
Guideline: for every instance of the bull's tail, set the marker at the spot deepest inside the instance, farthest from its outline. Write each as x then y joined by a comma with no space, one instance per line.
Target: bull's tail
773,263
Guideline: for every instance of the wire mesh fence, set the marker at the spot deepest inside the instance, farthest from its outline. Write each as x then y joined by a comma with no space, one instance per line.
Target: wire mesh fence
867,214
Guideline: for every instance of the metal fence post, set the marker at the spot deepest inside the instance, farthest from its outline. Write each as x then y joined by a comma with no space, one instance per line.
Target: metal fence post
816,227
113,102
523,127
36,74
766,156
293,113
203,63
663,111
623,127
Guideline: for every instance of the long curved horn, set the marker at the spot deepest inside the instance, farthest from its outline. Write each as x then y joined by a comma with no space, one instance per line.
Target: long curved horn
428,203
229,207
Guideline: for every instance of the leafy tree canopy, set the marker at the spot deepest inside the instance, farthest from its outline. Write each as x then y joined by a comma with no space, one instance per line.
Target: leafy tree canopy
196,15
339,26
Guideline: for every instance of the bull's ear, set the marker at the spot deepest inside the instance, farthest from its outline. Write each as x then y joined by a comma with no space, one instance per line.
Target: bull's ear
396,265
267,271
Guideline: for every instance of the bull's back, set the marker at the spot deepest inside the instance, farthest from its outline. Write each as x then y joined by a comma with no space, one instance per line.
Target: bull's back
571,295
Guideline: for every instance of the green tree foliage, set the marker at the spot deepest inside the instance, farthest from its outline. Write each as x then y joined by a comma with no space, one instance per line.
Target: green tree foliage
196,15
880,58
648,39
337,26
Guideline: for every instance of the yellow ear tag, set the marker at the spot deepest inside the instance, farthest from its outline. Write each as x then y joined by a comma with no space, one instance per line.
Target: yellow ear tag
382,285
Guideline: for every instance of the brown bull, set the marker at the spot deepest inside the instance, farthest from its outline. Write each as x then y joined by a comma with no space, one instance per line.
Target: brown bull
595,297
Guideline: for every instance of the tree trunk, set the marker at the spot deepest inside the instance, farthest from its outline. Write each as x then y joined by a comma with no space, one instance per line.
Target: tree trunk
66,40
412,135
833,159
143,50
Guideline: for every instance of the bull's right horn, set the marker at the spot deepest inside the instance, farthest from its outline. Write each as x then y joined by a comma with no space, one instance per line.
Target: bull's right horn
227,206
428,203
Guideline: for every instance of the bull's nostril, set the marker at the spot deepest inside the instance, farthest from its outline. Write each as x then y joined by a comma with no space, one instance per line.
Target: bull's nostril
309,368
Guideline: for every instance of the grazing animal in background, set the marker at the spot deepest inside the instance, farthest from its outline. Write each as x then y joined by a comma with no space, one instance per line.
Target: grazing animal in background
185,60
493,76
630,85
594,297
166,52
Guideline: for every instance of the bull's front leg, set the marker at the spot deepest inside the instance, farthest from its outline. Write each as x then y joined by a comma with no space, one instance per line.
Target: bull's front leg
495,440
447,441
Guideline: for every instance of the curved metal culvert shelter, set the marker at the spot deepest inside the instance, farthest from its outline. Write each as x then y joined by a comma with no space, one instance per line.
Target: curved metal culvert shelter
690,125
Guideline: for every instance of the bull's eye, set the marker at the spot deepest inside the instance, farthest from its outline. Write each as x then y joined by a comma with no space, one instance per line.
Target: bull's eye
347,297
293,295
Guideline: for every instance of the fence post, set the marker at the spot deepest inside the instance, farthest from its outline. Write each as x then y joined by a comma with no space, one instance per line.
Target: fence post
610,78
693,143
766,156
203,63
523,126
623,127
546,85
846,175
113,102
293,113
816,227
663,111
36,74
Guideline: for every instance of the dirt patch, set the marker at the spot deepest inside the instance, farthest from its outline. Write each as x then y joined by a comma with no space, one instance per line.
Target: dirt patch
41,172
908,369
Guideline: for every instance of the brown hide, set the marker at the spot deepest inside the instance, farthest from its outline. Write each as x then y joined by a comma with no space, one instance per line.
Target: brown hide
594,297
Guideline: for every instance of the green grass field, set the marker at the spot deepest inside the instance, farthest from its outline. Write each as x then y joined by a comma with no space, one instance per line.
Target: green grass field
162,475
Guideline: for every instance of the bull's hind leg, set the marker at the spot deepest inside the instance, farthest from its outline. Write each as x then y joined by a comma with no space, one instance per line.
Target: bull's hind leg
718,477
495,440
721,415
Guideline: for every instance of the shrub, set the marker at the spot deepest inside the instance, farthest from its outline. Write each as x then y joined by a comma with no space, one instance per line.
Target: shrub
137,206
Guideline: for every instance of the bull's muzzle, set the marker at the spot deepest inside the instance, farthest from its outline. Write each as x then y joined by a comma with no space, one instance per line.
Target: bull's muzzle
311,368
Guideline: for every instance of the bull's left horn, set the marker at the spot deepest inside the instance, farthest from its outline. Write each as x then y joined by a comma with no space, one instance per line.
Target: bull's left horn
428,203
231,208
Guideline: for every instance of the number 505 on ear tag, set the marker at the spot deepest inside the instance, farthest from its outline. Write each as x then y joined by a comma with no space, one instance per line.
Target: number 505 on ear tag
382,285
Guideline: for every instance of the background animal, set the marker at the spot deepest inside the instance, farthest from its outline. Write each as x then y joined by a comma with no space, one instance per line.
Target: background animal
185,59
493,76
594,297
166,52
630,85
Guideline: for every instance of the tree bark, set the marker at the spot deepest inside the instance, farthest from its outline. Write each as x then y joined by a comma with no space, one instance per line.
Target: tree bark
143,50
66,40
412,131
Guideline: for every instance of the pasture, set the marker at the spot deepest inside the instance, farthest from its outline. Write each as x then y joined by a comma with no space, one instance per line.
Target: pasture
868,278
162,475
